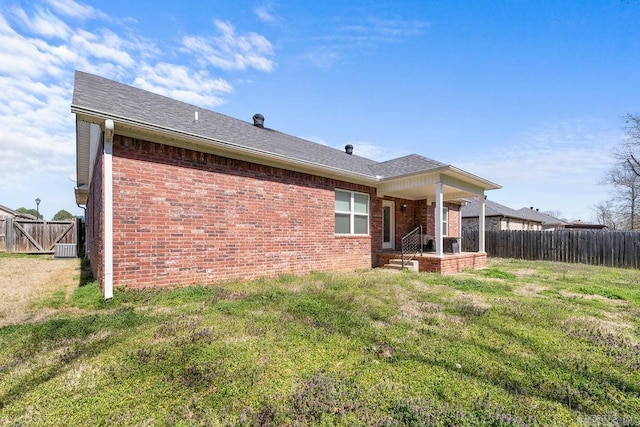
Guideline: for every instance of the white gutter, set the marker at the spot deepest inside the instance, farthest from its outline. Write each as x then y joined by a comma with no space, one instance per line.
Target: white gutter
108,208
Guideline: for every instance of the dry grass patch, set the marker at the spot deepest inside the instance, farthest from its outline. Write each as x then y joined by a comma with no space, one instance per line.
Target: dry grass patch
25,280
569,294
530,290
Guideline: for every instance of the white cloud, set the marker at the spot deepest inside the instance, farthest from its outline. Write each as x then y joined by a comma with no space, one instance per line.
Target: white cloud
557,166
345,38
43,42
177,82
566,152
104,45
74,9
377,30
232,51
44,23
265,15
323,57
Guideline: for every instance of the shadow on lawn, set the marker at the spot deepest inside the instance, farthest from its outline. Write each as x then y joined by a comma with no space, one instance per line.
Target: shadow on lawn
64,340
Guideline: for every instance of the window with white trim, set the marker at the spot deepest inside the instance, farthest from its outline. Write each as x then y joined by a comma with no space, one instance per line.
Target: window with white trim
352,213
445,221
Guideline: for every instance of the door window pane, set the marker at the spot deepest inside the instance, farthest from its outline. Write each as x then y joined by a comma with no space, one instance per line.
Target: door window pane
386,224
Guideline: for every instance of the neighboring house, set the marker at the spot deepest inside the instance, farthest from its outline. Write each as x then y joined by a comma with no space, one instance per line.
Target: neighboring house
6,212
579,225
177,195
548,222
497,217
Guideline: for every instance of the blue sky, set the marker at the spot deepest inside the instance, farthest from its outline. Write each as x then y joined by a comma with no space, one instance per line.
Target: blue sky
528,94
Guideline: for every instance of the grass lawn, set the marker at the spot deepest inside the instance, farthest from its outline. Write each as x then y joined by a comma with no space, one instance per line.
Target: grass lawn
519,343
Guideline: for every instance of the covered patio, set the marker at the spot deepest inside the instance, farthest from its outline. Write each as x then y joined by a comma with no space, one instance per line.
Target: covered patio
429,207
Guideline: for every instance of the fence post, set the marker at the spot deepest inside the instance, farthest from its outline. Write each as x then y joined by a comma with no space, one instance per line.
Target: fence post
9,234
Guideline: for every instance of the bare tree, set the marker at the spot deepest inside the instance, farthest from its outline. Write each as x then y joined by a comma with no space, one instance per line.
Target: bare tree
627,195
605,213
556,214
632,142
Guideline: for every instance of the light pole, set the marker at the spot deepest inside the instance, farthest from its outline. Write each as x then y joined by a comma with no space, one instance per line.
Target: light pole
38,208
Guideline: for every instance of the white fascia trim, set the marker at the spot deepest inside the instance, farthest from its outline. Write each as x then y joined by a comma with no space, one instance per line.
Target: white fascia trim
108,208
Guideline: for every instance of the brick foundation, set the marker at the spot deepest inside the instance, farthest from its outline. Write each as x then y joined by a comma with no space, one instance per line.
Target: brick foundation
449,264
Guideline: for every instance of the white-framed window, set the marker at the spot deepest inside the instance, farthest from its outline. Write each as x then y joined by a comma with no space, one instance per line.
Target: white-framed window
445,221
352,212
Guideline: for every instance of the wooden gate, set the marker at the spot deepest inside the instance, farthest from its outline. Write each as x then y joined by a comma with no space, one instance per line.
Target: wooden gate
20,235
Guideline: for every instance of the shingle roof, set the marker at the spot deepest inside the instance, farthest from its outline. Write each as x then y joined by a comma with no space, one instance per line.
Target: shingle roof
117,100
492,208
539,216
405,165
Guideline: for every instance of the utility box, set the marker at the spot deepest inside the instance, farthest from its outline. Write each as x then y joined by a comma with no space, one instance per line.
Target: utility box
65,250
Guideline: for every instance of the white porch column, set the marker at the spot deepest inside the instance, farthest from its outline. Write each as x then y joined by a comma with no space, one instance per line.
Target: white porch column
481,227
439,206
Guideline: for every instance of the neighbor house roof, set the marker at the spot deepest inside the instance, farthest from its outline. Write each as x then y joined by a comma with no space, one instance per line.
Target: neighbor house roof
134,110
545,219
5,211
492,209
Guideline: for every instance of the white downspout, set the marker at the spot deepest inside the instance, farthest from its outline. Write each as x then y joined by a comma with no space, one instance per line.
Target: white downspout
481,225
438,220
108,209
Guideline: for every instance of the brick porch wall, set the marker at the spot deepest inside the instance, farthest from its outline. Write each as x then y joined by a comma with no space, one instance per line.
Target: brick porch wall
184,217
449,264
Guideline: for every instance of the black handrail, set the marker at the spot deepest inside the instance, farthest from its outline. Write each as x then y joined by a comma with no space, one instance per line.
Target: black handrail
412,243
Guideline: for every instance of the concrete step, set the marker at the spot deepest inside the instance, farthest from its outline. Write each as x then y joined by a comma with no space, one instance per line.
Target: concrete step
396,264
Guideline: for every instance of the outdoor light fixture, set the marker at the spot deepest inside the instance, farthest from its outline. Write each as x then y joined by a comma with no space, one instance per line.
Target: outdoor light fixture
403,207
38,208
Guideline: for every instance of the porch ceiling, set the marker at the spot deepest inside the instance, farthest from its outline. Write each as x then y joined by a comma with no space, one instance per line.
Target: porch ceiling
429,192
456,185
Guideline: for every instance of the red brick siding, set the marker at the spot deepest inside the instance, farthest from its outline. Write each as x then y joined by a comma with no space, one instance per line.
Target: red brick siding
425,214
185,217
419,213
95,215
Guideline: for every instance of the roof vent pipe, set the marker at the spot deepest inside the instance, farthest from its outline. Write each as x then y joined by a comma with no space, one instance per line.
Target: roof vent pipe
348,149
258,120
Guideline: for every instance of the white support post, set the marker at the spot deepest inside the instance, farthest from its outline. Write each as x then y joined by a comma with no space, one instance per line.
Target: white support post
481,225
108,209
439,206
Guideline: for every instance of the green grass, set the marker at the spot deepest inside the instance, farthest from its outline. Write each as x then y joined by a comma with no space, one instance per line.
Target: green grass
519,343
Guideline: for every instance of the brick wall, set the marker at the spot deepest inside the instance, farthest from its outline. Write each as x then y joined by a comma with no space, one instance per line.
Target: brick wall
185,217
426,215
95,215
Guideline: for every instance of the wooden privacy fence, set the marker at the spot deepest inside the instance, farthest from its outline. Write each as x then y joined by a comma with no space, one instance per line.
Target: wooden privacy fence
20,235
595,247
